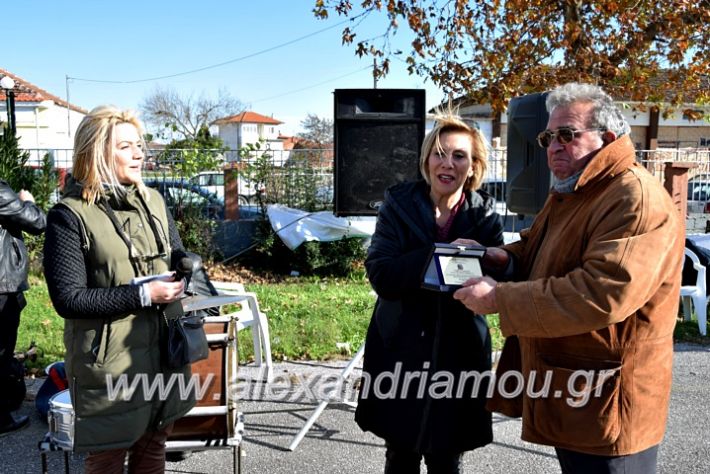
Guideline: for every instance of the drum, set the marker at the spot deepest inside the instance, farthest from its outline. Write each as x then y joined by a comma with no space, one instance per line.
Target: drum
61,420
214,415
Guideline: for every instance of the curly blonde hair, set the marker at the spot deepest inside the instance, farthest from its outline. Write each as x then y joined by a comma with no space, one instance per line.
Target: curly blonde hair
448,123
94,161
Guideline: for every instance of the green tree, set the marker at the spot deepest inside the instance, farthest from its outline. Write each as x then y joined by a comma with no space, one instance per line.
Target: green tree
41,183
258,171
13,162
45,182
203,140
655,51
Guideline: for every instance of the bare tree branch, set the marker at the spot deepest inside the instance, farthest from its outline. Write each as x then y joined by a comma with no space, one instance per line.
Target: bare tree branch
165,109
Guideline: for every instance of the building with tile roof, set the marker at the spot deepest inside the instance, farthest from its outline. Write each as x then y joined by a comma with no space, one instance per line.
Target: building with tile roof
43,120
248,127
650,128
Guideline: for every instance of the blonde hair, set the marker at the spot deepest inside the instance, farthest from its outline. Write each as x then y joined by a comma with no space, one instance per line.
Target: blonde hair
451,123
94,162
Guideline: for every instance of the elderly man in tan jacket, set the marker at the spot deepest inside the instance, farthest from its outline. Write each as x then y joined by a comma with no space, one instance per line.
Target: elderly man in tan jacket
593,296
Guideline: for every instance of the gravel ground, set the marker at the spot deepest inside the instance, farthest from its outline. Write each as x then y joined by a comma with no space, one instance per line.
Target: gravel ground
335,444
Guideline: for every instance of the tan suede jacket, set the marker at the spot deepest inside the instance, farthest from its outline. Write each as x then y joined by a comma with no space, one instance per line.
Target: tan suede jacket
594,306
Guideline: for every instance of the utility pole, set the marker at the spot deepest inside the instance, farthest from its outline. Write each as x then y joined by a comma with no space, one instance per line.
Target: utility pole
8,85
68,110
374,73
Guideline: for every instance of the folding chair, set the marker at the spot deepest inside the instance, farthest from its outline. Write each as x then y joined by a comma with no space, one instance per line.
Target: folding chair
697,293
249,316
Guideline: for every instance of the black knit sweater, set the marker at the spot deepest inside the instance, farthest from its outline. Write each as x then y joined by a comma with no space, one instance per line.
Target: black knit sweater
66,273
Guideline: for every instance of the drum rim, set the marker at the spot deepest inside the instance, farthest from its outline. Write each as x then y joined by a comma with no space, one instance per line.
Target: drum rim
54,399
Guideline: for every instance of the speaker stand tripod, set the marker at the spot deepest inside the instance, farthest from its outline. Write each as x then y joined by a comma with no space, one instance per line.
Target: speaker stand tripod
321,406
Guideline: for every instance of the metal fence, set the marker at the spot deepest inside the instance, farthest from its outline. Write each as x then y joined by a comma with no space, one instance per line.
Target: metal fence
655,160
304,178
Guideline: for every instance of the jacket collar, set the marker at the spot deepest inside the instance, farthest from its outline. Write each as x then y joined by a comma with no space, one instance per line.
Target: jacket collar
411,201
610,161
117,198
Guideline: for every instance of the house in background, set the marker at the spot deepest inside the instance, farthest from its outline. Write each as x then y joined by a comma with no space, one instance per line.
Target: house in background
44,121
649,128
249,127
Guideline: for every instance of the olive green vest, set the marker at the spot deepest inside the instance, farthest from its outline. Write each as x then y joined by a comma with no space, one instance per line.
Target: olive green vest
127,345
107,254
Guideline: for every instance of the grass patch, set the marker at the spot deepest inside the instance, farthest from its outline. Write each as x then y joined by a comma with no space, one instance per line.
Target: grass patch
39,323
307,318
497,338
688,331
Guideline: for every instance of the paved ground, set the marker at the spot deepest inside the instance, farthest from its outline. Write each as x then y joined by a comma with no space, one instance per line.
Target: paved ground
336,445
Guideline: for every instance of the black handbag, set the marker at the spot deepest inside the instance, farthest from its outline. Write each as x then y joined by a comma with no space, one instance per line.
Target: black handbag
186,340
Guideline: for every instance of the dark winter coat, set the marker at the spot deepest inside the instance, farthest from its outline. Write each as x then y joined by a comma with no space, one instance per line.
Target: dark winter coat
414,330
16,216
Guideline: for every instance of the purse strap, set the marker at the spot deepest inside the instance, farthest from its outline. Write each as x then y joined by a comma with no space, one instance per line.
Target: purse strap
106,207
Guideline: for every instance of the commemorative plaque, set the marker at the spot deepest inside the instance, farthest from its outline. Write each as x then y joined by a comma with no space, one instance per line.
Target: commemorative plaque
450,265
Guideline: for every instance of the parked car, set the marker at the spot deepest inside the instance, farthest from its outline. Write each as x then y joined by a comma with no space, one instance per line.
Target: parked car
324,195
213,181
183,195
699,194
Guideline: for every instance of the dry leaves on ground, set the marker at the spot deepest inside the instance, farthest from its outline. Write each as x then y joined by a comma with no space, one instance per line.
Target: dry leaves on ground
238,274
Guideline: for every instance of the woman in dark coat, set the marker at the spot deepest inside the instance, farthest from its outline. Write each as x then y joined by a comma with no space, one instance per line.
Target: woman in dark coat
421,343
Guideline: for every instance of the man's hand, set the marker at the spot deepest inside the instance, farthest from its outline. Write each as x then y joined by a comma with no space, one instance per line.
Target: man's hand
494,259
467,242
25,195
478,295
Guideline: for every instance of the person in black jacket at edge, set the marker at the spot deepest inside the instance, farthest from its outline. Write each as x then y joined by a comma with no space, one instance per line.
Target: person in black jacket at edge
420,343
18,214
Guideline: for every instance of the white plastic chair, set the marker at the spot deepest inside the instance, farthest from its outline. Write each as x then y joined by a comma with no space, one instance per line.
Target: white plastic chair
697,293
249,316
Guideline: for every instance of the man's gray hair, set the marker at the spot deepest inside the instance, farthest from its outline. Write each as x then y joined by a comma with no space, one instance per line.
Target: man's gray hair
605,113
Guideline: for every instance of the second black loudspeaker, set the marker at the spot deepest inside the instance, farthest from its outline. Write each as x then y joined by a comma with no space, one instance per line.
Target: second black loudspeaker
378,135
528,173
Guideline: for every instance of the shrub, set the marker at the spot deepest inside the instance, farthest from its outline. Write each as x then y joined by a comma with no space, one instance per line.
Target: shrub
196,231
41,182
337,258
13,162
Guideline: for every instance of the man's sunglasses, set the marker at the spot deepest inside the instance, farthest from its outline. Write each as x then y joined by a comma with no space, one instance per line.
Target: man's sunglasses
564,135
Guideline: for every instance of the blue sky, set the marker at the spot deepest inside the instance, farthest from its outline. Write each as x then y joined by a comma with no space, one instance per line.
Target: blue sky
134,40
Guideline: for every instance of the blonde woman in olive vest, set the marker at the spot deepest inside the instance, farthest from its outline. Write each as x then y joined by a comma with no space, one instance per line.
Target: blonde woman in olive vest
107,229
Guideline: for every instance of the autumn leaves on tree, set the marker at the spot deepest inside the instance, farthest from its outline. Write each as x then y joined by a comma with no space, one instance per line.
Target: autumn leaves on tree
654,53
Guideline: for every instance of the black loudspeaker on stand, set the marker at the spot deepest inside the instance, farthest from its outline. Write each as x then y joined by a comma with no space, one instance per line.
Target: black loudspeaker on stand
378,135
528,173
